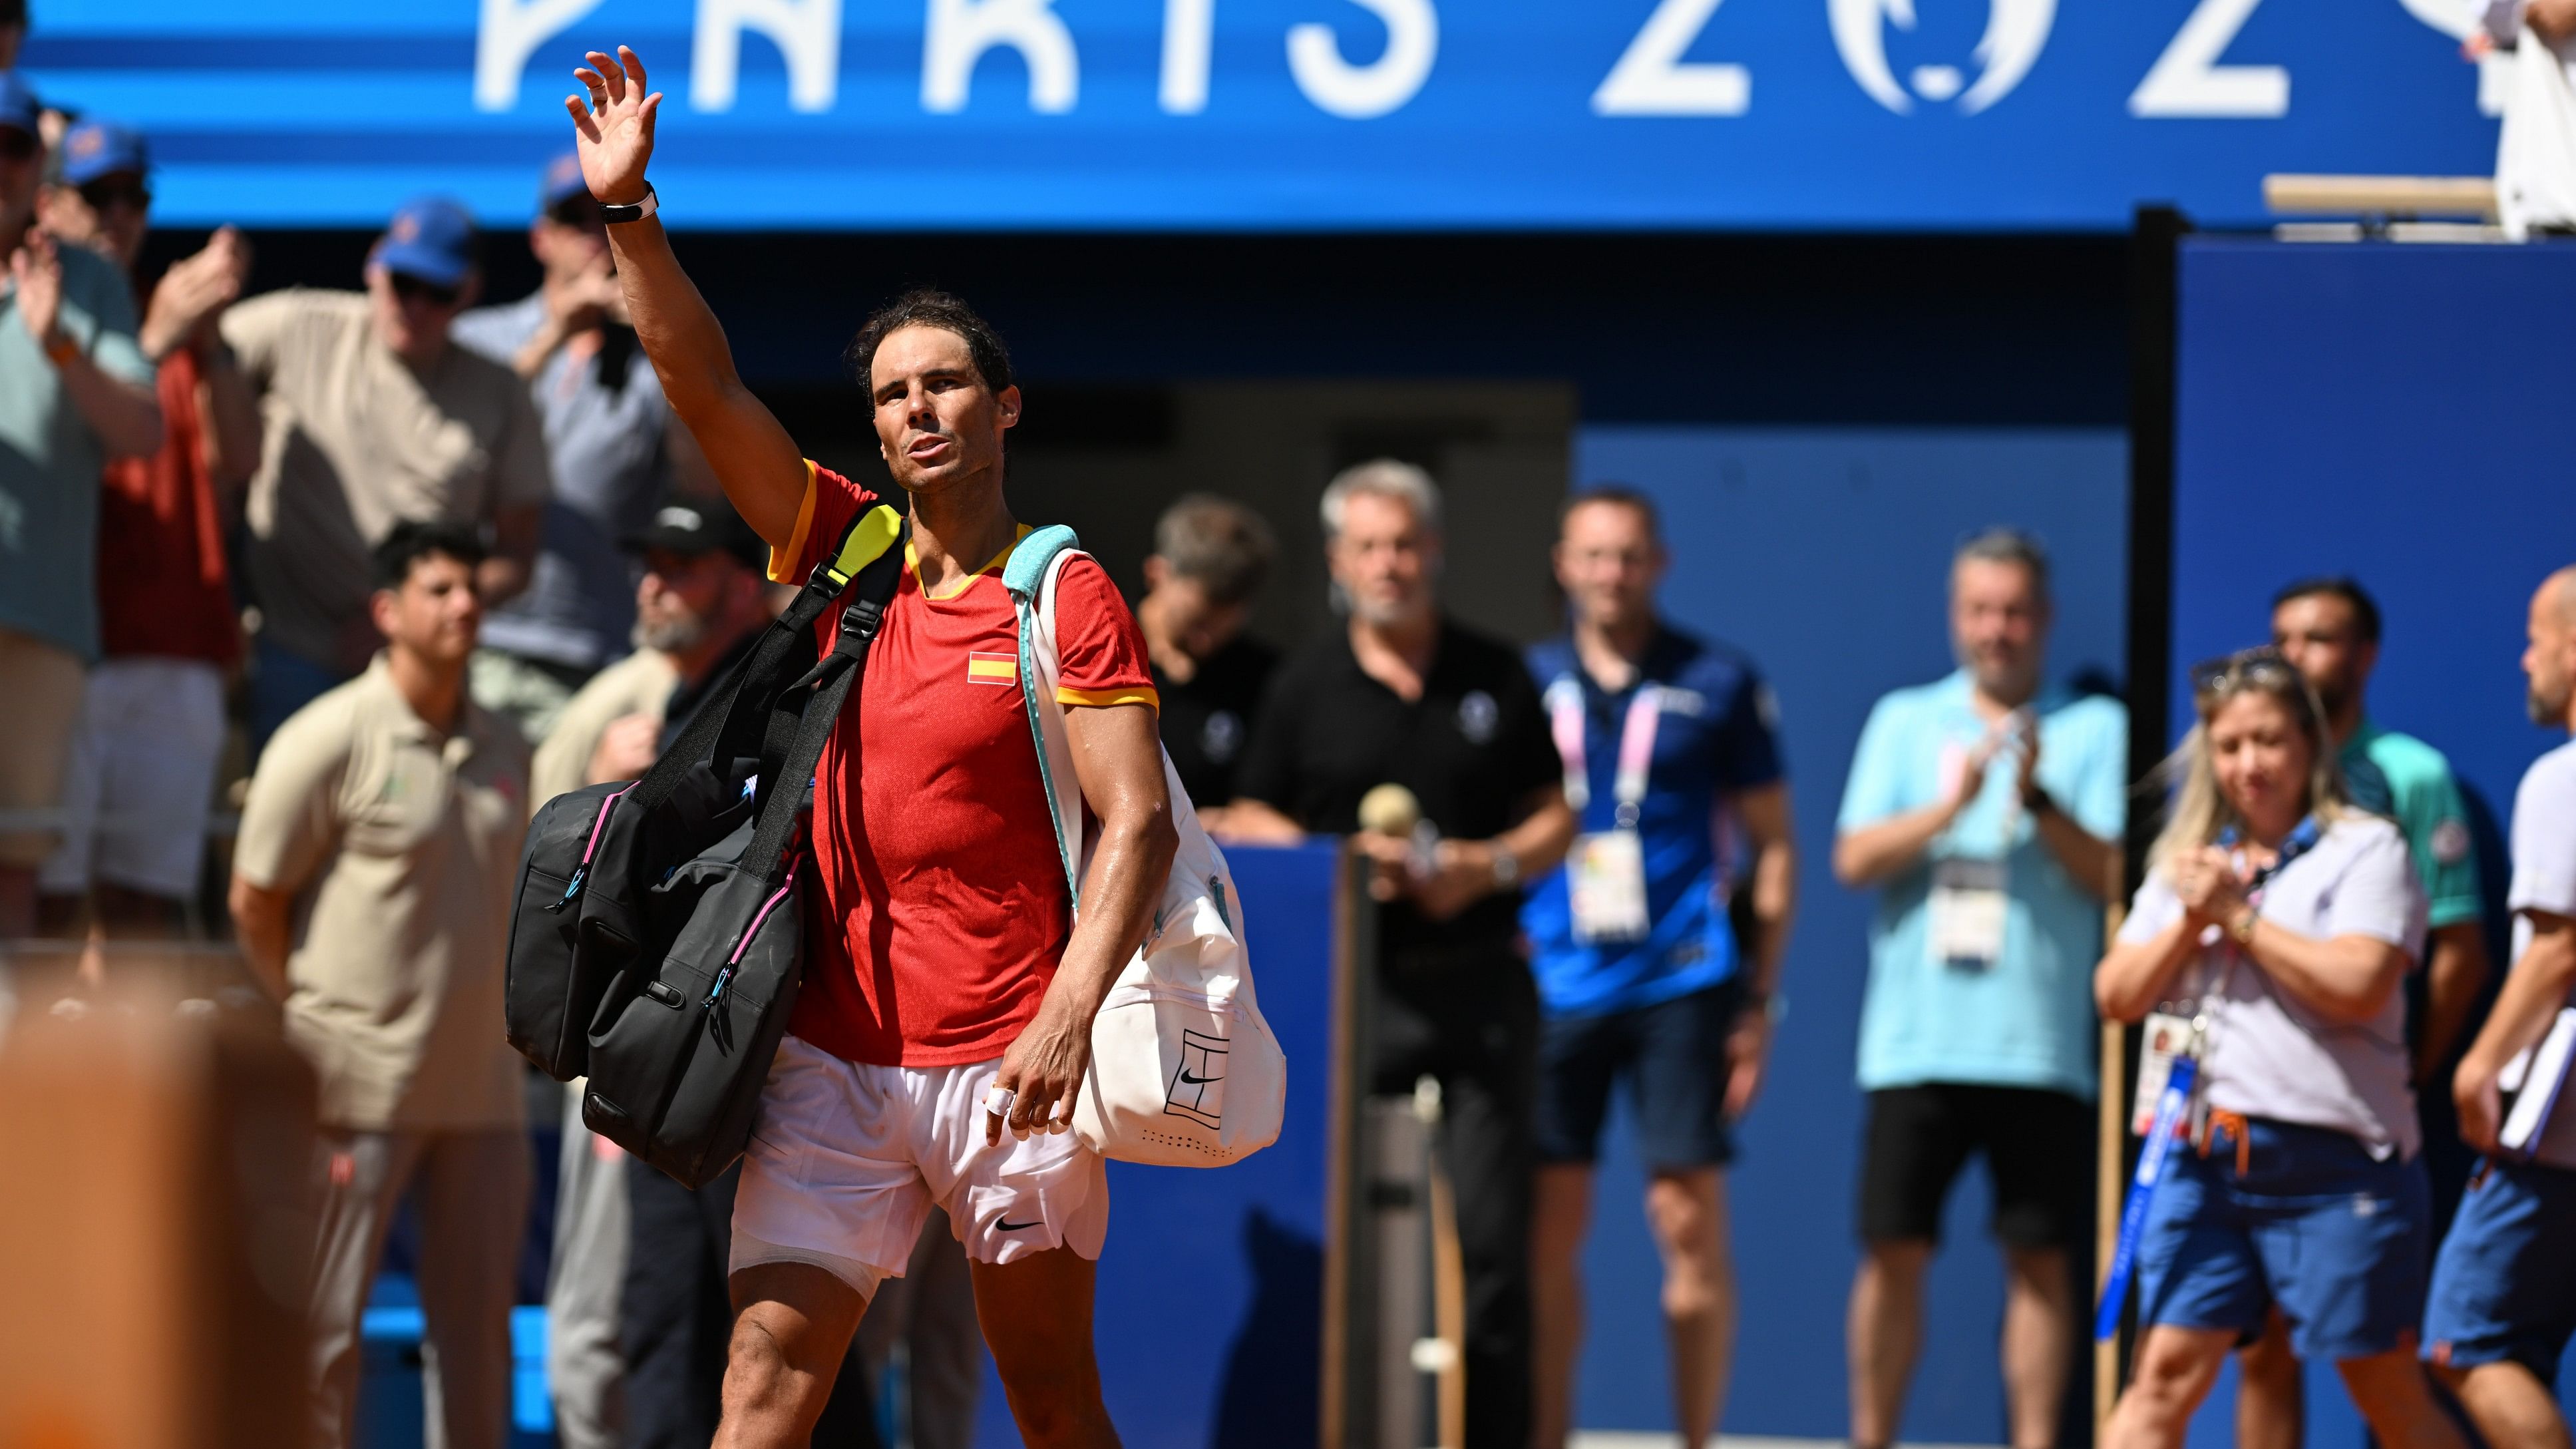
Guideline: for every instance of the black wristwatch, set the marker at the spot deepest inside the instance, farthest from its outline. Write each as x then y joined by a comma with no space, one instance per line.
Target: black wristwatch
2036,802
612,214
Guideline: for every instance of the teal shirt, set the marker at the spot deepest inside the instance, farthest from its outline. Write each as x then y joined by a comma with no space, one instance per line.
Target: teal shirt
50,460
2425,802
2027,1020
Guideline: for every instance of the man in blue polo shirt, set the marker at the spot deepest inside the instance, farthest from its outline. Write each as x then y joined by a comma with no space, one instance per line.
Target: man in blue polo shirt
1987,810
1671,766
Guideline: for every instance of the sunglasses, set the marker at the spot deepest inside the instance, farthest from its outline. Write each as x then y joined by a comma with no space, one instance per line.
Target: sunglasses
17,145
413,289
2230,672
106,193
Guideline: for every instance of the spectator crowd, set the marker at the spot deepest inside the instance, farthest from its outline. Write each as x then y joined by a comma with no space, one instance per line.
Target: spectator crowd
481,564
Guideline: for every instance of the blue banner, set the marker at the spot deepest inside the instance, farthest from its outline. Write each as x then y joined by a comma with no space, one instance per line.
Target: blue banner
1291,114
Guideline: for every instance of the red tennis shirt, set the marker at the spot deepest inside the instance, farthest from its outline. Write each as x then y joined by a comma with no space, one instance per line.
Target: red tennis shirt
942,908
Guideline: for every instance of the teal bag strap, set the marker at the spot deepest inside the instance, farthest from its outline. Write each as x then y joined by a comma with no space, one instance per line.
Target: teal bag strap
1024,575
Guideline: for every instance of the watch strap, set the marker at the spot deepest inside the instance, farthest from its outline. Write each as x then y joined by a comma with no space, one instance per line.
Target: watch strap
632,211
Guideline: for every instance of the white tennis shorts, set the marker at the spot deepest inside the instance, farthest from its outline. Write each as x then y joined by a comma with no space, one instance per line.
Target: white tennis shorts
846,1160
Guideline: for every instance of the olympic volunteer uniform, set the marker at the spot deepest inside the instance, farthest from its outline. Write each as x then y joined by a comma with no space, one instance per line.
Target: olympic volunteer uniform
2505,1285
938,920
2305,1189
1652,1002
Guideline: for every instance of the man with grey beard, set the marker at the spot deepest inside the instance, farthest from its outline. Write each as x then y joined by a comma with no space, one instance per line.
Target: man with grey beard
702,602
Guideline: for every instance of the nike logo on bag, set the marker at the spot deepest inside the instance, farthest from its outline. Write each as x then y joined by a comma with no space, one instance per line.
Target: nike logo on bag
1005,1225
1197,1081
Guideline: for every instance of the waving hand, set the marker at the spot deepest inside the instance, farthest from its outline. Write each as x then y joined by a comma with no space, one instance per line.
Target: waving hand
614,131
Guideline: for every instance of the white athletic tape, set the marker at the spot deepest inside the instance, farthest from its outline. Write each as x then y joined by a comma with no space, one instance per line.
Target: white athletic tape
998,1099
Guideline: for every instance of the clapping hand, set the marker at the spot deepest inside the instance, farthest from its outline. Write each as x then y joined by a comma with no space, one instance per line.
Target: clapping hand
37,269
614,132
195,292
2210,887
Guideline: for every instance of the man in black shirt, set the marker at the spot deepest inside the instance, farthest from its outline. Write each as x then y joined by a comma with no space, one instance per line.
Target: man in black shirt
1211,556
1404,696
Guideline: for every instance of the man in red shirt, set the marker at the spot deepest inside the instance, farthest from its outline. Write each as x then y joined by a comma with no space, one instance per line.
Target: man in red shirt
948,990
152,720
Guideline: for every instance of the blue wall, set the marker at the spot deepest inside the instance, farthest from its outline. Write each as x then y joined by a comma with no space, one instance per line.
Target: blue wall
2397,413
1825,554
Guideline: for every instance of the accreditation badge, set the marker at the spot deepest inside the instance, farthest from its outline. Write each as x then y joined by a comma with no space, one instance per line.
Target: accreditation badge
1605,876
2163,1037
1969,911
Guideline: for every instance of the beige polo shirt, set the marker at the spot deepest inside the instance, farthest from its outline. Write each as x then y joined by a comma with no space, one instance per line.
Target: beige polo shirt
640,683
355,441
402,850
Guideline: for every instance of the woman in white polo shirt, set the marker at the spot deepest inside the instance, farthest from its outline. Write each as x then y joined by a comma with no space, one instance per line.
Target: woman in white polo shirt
2285,920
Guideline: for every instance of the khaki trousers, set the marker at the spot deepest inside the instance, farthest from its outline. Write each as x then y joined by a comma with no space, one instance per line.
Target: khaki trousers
471,1189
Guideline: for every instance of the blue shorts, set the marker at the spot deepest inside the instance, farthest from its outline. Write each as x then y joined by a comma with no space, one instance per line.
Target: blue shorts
1673,1057
2315,1225
2504,1288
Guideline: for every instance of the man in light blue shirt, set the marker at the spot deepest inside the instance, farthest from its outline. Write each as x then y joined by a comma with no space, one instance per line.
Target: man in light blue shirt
1987,809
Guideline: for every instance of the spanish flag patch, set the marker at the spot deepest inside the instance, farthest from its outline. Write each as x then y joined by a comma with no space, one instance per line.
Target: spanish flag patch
1003,669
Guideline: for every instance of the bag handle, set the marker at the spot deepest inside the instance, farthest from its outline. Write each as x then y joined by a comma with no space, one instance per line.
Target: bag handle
832,679
870,537
1026,575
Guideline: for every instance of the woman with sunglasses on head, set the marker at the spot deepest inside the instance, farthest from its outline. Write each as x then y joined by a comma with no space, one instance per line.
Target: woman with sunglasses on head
2279,922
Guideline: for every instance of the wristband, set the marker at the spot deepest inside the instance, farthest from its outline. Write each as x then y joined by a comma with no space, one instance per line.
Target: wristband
61,351
2242,928
631,211
2036,802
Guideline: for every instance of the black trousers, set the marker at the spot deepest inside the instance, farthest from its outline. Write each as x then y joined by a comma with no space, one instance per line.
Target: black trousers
1474,1027
676,1316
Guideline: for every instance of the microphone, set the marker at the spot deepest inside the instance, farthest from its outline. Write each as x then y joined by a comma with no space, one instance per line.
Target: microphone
1395,810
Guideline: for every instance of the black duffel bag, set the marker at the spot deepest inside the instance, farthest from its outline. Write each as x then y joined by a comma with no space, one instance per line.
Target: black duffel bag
656,943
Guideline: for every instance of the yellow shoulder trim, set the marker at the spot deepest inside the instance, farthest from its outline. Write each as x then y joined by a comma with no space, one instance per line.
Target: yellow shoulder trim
782,561
1104,698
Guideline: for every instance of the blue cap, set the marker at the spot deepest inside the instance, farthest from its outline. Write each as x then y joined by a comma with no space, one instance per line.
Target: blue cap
94,149
562,182
431,238
18,104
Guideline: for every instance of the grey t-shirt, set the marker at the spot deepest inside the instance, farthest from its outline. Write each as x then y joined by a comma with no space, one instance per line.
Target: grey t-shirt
50,460
605,424
2270,1055
2544,879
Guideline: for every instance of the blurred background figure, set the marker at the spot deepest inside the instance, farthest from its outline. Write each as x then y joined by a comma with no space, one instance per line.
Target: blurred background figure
141,782
1405,695
2504,1288
1211,556
1986,809
372,886
13,31
1664,739
376,419
612,445
2535,172
2285,920
75,391
2329,630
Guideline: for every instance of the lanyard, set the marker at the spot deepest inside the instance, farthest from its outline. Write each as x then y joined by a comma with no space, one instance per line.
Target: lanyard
1636,745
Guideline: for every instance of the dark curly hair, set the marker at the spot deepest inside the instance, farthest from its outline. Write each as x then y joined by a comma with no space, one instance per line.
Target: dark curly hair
929,307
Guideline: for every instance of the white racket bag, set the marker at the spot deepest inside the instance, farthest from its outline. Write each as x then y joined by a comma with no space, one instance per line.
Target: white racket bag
1184,1071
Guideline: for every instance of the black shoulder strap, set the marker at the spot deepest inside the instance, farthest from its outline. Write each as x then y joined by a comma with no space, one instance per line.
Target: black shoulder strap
833,679
872,536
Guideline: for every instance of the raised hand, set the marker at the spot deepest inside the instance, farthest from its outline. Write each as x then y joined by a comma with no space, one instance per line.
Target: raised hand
193,293
614,132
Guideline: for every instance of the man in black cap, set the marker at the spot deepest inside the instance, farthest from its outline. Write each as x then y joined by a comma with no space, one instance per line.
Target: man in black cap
637,1356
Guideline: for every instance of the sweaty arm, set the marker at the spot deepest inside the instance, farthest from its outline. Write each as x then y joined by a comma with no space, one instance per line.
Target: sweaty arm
760,467
1118,762
2534,991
